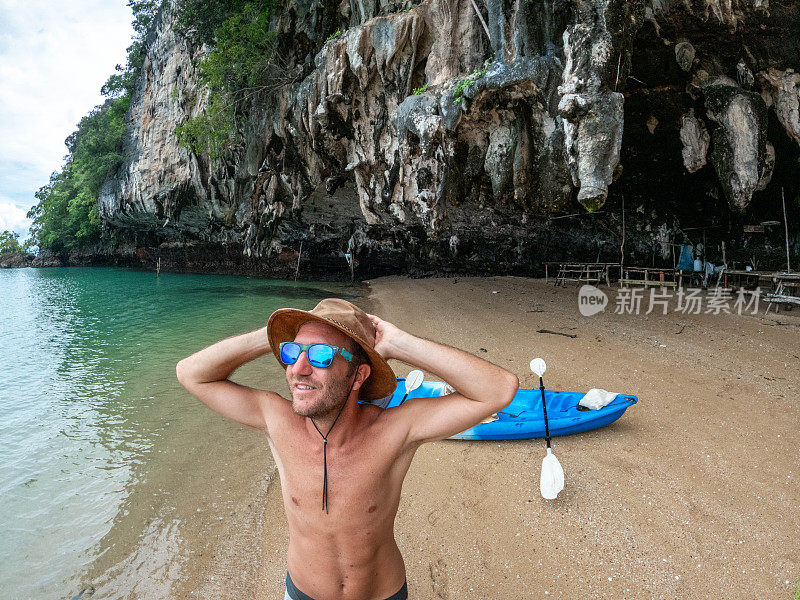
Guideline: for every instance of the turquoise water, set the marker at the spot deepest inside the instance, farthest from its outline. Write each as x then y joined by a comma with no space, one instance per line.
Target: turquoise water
102,453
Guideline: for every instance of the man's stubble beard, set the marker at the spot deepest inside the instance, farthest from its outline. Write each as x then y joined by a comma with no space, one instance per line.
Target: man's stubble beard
329,403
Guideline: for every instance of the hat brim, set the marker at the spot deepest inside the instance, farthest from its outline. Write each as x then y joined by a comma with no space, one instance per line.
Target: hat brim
283,326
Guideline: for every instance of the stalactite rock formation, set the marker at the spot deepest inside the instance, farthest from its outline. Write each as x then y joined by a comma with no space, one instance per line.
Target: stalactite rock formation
417,135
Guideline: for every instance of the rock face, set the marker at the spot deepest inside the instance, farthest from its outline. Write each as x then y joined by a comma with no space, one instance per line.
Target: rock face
16,260
695,139
510,126
160,180
598,32
739,151
781,90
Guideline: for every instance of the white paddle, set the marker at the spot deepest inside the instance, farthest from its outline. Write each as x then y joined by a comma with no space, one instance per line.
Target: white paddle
413,381
552,479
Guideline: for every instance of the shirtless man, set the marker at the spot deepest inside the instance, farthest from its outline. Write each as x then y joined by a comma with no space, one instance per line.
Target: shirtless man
342,462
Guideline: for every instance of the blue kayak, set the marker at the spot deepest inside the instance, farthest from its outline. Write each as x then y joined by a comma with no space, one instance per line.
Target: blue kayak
523,418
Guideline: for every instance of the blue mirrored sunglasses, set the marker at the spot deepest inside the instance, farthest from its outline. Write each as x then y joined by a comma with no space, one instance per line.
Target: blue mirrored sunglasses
319,355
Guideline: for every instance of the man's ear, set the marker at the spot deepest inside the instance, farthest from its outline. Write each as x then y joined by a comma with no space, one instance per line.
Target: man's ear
361,375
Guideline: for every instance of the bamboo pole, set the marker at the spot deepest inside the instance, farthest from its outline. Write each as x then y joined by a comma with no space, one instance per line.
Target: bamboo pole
299,254
352,267
705,250
622,245
786,229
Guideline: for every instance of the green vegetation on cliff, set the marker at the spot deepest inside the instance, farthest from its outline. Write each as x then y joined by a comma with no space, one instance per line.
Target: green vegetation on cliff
9,243
123,81
241,65
66,215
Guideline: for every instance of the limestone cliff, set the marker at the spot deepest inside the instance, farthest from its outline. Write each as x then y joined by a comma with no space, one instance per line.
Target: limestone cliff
533,119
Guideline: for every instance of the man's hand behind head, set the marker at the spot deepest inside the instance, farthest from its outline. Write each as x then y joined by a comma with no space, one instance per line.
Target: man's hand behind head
386,337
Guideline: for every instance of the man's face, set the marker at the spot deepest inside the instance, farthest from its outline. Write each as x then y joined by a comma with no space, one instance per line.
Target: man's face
319,392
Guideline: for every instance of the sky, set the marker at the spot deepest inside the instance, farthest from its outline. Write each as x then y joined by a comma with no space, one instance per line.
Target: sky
55,55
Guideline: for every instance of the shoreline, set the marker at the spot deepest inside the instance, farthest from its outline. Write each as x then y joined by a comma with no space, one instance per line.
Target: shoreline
284,272
692,493
192,520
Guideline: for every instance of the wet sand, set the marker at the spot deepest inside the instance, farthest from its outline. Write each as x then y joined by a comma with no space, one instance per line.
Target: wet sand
693,493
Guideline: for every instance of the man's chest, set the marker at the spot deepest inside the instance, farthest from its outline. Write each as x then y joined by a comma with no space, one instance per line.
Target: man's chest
359,478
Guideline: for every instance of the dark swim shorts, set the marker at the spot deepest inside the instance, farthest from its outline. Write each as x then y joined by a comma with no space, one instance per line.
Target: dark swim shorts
292,593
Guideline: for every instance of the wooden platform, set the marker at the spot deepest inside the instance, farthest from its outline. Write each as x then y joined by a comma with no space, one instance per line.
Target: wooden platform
735,279
594,272
651,277
787,290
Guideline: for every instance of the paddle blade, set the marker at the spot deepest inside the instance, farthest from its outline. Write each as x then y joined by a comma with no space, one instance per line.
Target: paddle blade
552,479
414,380
538,366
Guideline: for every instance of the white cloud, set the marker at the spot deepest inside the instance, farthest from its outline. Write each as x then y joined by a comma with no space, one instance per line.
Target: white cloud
12,218
54,57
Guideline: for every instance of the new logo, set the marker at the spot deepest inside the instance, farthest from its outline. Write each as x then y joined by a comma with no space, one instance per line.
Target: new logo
591,300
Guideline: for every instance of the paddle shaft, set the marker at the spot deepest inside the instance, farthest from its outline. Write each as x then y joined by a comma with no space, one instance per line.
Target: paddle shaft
404,397
544,408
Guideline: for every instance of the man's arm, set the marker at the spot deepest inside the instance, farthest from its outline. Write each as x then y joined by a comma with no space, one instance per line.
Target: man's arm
482,388
205,375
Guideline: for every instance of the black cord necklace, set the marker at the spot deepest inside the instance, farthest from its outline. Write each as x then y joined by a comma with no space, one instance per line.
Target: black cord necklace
325,448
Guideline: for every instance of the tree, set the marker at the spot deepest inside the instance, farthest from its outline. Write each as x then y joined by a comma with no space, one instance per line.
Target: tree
66,215
241,64
9,243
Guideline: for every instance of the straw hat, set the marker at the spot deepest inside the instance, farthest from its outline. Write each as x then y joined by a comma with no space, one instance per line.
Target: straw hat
284,323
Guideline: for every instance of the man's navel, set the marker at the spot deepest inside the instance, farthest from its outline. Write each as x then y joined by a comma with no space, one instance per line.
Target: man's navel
372,508
296,501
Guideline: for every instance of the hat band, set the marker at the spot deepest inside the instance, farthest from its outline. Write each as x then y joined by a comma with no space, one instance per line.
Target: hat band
342,325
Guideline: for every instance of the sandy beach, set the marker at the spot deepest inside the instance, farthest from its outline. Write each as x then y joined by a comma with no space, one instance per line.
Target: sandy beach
693,493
